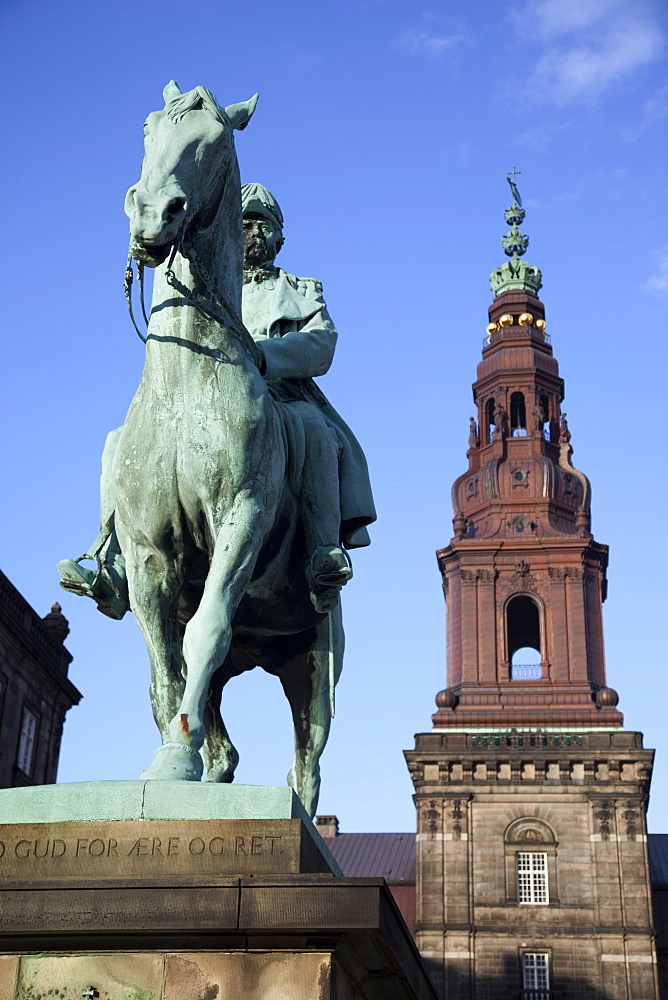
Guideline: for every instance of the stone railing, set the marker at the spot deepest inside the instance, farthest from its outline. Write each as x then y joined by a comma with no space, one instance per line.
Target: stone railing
526,672
19,615
493,338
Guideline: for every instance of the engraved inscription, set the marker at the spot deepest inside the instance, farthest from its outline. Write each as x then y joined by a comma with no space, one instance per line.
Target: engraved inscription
137,848
143,847
36,848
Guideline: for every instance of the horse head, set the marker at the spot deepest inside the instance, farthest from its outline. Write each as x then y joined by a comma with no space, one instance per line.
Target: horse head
188,155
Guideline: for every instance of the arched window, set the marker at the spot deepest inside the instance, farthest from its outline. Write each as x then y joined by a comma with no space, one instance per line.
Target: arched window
530,856
523,635
489,423
518,415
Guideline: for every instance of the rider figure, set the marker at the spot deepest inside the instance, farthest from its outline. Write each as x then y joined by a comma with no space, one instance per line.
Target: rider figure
288,320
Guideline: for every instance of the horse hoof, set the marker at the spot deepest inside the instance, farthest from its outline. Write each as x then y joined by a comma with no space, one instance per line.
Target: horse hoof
175,762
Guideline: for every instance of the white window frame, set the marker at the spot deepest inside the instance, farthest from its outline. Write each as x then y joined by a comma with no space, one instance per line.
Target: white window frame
27,740
536,974
532,878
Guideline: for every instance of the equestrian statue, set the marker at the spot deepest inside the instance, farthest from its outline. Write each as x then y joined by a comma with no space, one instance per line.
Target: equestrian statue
233,491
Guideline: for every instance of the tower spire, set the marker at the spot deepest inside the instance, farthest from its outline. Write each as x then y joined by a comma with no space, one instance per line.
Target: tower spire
523,574
515,274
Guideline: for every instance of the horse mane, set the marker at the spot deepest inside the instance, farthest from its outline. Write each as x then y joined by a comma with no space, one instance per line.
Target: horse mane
199,97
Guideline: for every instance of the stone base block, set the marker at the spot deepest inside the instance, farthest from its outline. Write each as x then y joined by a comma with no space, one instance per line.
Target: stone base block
155,829
153,892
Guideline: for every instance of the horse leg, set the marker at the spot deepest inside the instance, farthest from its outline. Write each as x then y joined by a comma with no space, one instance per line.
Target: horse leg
154,582
207,637
308,681
219,753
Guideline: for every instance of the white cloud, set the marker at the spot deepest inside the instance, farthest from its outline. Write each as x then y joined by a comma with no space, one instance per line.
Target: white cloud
551,17
433,37
421,41
586,46
658,282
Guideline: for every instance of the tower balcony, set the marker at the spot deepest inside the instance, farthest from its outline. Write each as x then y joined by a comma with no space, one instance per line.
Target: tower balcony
496,336
526,671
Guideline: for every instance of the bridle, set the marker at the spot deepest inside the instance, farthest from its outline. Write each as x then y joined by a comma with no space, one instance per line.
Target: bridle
214,307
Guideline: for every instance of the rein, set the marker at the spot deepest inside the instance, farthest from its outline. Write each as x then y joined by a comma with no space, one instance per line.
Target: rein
127,291
230,321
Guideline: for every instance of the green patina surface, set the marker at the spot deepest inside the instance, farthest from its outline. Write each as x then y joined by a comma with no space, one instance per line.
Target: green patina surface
515,274
233,488
116,800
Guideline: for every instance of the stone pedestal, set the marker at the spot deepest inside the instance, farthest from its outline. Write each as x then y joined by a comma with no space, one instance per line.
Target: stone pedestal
175,891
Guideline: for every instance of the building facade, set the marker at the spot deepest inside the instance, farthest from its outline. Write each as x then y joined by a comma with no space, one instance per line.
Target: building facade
533,878
392,856
35,692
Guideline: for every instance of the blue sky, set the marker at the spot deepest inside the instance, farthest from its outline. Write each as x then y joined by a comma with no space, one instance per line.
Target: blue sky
385,129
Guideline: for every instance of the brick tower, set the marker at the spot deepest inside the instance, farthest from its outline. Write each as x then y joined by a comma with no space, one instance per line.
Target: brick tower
532,870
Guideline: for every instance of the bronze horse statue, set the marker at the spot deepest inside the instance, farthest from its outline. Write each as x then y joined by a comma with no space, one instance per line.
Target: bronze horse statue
205,515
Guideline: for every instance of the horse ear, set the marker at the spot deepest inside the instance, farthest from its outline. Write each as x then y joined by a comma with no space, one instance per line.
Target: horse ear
241,114
171,91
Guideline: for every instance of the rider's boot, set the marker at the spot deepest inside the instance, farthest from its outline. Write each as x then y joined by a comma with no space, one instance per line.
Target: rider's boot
328,566
107,585
328,570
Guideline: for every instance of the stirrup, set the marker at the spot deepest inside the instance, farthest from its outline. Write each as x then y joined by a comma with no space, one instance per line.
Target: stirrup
79,579
96,584
329,566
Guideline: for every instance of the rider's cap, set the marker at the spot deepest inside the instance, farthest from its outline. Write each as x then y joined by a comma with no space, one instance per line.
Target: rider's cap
257,199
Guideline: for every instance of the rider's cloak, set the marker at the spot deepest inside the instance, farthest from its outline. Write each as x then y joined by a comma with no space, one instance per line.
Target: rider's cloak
289,321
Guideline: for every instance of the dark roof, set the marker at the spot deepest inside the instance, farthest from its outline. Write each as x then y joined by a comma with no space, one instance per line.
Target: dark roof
391,855
657,844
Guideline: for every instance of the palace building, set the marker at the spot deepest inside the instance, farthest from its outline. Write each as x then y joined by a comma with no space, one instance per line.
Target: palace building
532,873
35,691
